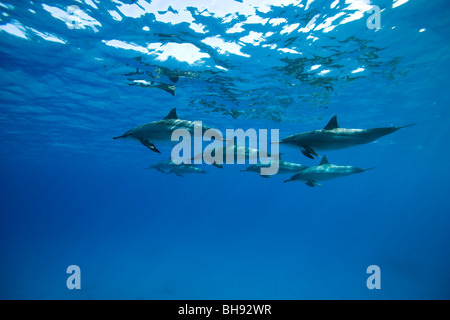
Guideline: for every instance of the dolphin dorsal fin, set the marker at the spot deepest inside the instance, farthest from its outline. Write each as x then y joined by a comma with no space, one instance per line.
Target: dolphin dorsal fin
332,124
324,161
172,114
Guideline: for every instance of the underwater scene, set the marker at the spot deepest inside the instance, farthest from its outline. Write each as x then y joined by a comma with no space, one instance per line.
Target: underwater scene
224,149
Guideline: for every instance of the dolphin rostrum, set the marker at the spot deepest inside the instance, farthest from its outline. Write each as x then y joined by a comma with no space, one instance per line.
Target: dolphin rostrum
324,171
161,130
283,167
332,137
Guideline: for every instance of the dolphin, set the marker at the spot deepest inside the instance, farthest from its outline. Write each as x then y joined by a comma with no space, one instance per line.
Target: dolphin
283,167
178,169
238,151
182,169
332,137
163,165
161,130
324,171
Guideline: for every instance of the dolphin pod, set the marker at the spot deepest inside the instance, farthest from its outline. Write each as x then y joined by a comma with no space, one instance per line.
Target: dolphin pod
331,137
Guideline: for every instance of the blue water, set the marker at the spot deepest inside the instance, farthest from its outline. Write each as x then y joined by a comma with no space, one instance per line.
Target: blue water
71,78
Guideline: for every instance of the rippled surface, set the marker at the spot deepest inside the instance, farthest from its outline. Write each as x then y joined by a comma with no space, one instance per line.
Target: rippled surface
283,63
73,74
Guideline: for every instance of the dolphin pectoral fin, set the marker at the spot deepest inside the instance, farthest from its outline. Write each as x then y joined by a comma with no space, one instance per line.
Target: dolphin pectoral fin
149,145
153,148
264,176
312,183
176,173
217,165
309,152
162,171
